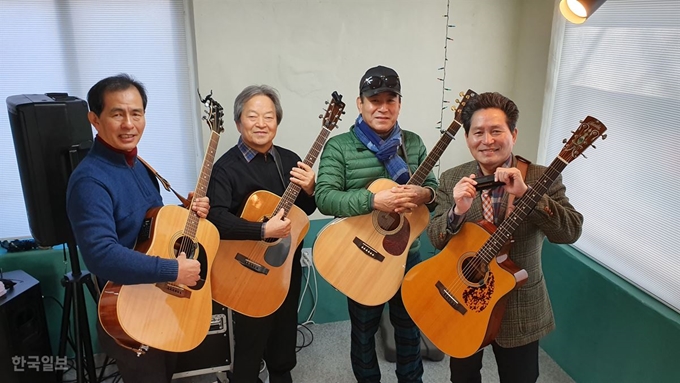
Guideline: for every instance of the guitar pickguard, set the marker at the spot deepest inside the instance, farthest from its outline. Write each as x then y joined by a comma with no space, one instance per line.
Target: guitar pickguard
396,243
276,255
478,298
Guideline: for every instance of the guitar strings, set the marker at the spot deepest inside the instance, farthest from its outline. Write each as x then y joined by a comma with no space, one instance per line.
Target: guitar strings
481,257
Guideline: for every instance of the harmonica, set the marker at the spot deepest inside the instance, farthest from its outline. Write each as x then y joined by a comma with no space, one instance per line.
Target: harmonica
487,182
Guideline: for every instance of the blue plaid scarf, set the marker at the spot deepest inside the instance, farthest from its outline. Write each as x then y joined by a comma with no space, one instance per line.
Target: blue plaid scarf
385,150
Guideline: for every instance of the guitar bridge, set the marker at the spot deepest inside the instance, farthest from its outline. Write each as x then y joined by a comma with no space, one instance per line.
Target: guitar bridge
368,250
174,290
450,299
247,263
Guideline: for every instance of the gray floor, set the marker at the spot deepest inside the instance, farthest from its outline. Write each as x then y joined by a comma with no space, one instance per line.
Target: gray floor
327,360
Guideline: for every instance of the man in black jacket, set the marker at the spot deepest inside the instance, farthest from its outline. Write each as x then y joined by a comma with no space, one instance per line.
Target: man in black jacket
249,166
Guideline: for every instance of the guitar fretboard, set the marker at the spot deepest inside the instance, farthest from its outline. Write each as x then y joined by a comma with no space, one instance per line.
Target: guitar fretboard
202,185
292,191
424,169
524,206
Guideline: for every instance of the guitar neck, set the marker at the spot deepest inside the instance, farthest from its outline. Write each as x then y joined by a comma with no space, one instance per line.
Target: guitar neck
292,191
524,206
424,169
202,184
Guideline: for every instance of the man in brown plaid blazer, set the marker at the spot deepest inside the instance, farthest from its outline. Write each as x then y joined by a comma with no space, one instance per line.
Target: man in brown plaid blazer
489,121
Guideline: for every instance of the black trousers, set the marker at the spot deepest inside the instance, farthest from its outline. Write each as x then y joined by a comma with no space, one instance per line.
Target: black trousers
515,365
272,338
155,366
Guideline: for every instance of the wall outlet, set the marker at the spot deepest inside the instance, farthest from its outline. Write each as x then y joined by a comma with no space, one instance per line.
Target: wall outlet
306,259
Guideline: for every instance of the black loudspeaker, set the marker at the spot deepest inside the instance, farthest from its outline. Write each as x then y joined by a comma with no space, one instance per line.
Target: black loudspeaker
25,352
51,135
214,353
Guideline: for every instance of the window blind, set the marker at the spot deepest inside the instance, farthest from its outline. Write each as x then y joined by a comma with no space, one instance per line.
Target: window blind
622,66
67,46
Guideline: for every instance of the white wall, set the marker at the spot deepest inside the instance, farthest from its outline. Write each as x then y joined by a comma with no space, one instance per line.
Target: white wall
533,51
307,49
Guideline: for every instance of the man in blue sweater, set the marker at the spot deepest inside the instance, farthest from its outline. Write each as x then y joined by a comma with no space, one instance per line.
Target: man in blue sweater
108,196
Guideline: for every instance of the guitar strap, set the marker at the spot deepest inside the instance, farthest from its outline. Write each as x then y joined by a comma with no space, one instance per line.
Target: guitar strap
522,165
165,183
277,160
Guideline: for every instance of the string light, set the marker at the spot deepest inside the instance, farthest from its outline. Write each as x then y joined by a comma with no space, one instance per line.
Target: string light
447,38
443,75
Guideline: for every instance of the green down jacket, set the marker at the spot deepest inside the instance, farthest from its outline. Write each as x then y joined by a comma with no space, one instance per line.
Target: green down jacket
347,168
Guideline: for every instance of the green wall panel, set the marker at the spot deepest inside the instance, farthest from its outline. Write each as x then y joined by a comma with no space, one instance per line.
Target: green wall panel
607,329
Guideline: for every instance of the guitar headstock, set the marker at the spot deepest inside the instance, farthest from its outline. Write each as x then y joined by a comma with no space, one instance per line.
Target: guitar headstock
458,111
589,130
333,112
215,113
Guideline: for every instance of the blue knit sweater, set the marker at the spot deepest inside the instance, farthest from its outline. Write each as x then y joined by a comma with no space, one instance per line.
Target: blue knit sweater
107,201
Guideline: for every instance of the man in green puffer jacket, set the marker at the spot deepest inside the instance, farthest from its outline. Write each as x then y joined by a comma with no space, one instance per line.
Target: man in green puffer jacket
376,147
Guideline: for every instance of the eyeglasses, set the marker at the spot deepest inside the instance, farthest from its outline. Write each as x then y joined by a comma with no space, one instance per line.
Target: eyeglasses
375,82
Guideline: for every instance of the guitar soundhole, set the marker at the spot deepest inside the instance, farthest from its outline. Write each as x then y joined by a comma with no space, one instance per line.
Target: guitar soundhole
196,251
388,222
474,271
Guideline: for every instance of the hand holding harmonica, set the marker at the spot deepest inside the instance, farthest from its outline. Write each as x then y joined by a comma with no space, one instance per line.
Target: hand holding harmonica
487,182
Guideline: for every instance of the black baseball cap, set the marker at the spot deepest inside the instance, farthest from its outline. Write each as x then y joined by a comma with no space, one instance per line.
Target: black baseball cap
379,79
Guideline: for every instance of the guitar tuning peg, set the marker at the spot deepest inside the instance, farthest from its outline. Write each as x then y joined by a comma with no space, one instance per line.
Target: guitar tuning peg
572,132
343,112
461,94
584,156
453,109
594,147
564,141
457,101
321,116
604,136
326,102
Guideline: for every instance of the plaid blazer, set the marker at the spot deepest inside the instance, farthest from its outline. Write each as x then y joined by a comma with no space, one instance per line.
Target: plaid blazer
528,316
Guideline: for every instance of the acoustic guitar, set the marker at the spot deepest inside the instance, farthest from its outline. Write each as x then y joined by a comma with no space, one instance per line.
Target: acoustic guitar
253,277
169,316
457,298
364,256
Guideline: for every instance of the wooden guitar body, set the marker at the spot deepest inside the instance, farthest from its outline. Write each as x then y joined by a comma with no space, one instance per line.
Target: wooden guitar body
253,277
364,257
165,316
457,313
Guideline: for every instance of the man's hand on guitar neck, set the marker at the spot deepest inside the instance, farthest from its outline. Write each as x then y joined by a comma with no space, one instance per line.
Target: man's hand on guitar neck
201,205
278,226
187,270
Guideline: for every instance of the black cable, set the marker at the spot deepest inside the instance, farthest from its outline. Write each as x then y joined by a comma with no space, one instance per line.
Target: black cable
71,366
304,338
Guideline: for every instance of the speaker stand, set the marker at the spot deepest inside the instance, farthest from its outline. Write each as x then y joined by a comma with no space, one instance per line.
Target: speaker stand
75,297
